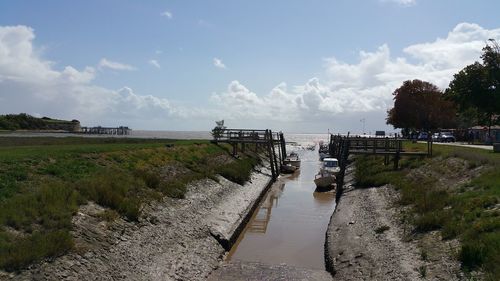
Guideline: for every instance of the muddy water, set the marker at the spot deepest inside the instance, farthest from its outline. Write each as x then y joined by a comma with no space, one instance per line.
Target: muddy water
289,225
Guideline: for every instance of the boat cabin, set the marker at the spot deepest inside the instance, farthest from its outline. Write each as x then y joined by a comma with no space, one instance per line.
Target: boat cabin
330,162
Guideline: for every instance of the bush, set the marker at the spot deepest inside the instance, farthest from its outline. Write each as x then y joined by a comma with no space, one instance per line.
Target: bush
52,206
111,188
20,252
429,221
175,189
238,171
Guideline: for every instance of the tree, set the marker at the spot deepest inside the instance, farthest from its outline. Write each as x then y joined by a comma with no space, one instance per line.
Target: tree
218,130
420,105
476,88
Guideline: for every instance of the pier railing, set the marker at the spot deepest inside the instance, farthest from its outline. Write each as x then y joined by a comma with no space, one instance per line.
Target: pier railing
341,146
122,130
271,141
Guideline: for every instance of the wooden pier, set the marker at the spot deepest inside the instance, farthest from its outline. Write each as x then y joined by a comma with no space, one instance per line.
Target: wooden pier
272,142
105,130
341,146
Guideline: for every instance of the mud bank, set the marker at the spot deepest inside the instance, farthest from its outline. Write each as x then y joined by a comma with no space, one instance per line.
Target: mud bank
364,240
176,239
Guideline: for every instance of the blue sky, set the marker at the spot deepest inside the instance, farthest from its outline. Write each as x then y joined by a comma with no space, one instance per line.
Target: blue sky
302,66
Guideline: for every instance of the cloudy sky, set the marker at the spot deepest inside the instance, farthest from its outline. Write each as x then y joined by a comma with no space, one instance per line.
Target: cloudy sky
292,65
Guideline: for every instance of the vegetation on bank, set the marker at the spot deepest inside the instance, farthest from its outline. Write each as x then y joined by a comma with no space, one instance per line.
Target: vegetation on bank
43,181
440,197
23,121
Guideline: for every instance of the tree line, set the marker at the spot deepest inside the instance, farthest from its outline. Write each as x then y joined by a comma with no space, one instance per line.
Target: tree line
25,121
472,98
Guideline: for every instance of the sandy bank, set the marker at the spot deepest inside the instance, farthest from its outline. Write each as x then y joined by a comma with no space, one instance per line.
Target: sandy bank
181,239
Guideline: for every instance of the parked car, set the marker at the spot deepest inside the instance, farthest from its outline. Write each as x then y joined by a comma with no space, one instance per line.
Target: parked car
423,136
446,137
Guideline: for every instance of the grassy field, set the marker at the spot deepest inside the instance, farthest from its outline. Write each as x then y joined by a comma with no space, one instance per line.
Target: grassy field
467,210
44,180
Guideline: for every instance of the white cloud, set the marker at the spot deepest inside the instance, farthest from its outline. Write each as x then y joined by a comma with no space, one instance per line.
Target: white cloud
167,14
219,64
154,63
359,89
105,63
402,2
349,91
28,83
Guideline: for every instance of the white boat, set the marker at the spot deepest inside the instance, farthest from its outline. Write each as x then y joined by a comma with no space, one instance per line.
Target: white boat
292,159
331,165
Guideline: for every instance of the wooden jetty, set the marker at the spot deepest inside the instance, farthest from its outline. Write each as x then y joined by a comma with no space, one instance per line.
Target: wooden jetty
271,141
122,130
341,146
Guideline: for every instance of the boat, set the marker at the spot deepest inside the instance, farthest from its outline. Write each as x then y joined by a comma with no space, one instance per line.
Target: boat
324,179
327,174
311,147
288,168
292,159
323,151
331,165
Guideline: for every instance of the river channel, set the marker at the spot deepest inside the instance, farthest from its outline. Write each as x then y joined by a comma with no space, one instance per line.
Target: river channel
290,223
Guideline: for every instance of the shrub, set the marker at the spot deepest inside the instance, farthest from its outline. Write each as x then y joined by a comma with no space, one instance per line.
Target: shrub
20,252
238,171
111,188
175,189
429,221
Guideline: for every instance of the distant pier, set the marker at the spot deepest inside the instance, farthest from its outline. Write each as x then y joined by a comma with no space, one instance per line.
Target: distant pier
122,130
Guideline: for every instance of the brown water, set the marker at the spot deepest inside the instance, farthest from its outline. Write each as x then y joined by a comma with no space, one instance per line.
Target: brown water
290,223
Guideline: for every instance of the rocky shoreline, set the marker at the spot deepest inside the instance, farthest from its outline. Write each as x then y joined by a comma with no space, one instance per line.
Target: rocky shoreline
176,239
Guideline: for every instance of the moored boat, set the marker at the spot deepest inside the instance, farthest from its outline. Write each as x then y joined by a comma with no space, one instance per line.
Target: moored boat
324,179
323,151
288,168
331,165
327,174
292,159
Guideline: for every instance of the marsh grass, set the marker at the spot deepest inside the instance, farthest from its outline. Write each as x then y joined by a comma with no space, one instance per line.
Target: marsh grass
44,180
469,212
239,171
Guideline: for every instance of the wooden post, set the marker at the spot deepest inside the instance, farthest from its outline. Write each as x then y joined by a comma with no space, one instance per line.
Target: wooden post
283,145
235,148
397,155
270,153
276,163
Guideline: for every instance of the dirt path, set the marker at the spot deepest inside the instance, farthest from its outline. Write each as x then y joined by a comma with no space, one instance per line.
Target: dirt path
365,240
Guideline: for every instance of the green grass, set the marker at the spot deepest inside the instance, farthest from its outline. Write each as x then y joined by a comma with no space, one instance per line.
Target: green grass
43,181
468,212
240,171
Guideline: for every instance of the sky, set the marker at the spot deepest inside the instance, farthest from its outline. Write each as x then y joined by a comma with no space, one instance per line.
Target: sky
290,65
